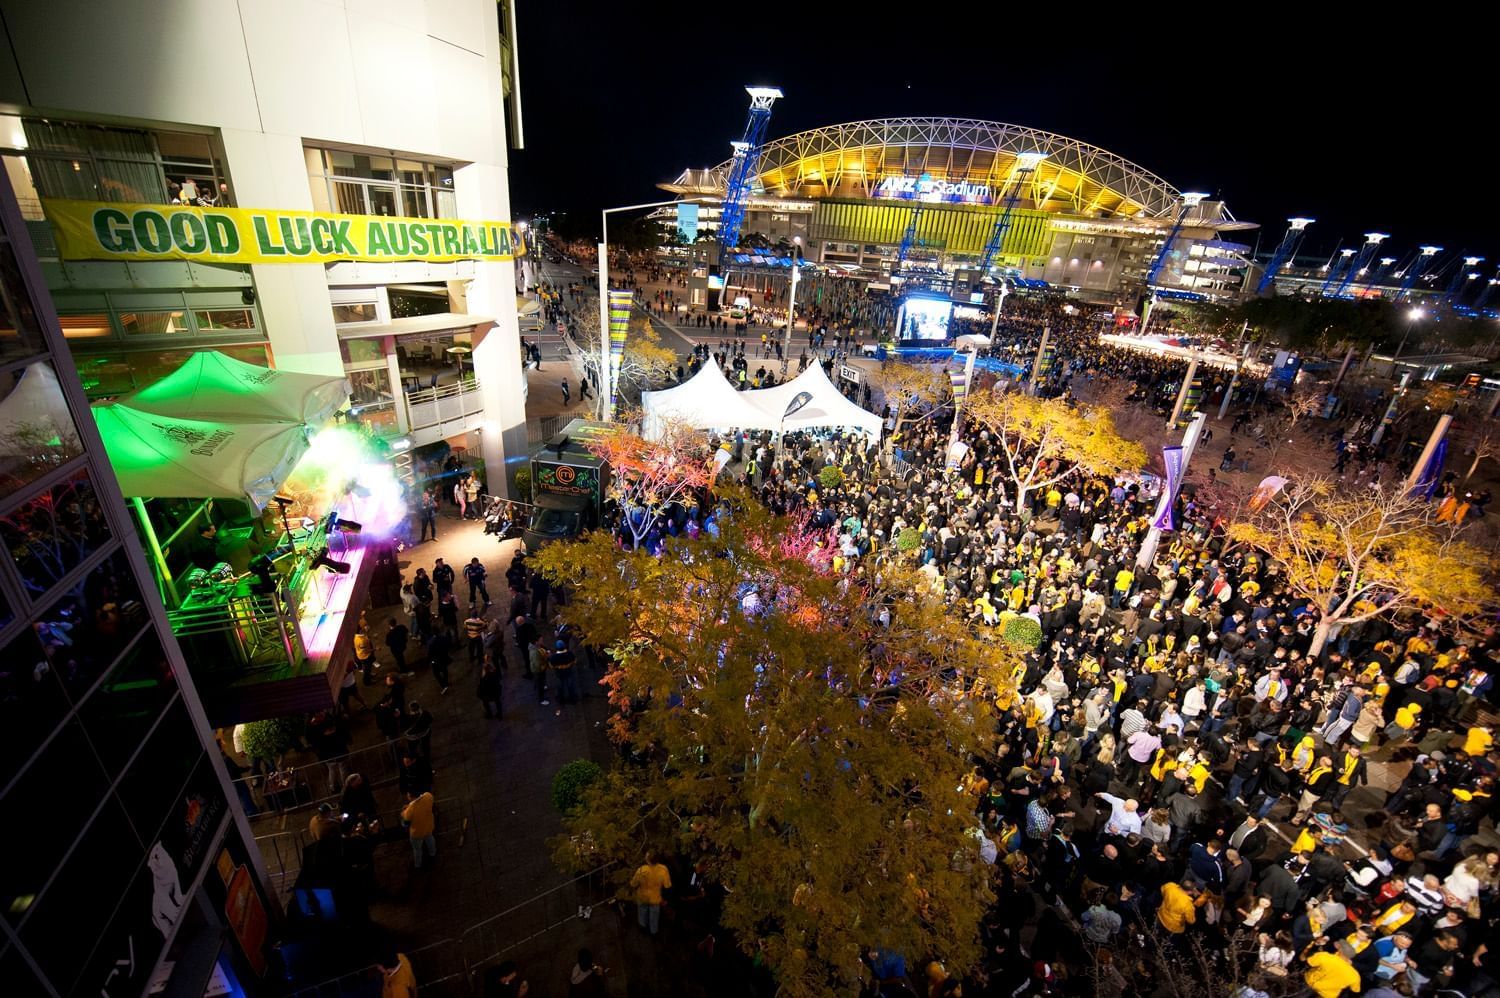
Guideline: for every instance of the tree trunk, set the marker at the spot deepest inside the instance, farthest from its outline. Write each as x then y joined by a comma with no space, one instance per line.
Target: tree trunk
1321,636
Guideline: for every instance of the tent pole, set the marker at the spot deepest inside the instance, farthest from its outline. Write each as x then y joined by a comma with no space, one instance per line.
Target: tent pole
160,559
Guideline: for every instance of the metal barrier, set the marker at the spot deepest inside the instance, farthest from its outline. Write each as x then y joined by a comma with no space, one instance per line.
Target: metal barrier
497,937
432,965
283,850
539,431
300,788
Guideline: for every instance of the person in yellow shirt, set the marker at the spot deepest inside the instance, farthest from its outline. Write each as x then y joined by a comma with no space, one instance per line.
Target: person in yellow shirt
398,980
419,821
1329,974
1179,907
1478,741
650,879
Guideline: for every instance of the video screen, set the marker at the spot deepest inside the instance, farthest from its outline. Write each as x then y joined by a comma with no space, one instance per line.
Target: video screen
925,319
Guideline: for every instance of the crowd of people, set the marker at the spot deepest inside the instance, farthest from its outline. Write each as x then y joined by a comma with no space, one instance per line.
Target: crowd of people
1183,784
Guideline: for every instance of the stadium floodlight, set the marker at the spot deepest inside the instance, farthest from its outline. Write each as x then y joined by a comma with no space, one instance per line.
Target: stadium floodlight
1299,223
1414,315
766,94
1431,250
1375,238
1191,199
1472,261
1386,261
1029,160
1346,254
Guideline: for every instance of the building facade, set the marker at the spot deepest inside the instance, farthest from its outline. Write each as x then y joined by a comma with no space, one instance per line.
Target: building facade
1080,217
127,861
401,111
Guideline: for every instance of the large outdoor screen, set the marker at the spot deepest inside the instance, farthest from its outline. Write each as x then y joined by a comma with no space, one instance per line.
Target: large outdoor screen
925,319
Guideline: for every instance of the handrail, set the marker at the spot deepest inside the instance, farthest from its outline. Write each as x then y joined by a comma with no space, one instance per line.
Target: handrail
469,384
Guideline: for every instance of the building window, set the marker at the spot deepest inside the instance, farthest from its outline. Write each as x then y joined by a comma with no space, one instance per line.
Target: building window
225,318
94,163
364,311
53,533
36,430
365,350
167,323
361,184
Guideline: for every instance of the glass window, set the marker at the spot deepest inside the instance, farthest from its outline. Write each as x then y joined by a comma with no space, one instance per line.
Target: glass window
83,632
225,318
382,200
349,197
362,351
59,790
32,701
358,312
78,905
53,533
154,323
414,201
20,334
118,714
38,434
87,326
368,388
154,781
340,164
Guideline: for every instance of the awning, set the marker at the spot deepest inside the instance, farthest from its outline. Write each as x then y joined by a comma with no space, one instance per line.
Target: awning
436,323
170,458
214,387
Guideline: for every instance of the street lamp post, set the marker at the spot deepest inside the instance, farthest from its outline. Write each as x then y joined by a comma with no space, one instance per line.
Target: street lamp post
791,305
604,371
1411,320
999,304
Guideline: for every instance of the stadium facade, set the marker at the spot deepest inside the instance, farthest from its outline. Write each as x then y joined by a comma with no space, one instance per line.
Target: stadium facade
1083,218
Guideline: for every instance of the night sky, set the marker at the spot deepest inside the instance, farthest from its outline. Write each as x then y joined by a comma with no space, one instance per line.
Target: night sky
1367,127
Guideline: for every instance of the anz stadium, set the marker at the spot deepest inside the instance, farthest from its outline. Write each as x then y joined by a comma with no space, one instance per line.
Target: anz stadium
891,196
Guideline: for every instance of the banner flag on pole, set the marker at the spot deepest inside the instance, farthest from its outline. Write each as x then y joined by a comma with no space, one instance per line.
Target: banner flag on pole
1427,485
619,322
1172,456
960,380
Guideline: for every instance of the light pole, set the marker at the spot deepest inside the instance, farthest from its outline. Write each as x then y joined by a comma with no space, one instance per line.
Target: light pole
604,371
1411,320
791,305
999,304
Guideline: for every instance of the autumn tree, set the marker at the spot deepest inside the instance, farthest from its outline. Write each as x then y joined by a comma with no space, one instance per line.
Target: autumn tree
807,735
911,390
1045,440
649,476
646,362
1361,554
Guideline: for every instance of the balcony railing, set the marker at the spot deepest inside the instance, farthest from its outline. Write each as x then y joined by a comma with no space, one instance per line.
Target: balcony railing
444,406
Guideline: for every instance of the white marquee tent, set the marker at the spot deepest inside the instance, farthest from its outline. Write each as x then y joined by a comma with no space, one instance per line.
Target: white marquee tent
707,401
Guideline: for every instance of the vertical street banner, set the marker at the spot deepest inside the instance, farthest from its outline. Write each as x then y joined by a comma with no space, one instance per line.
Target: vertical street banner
960,380
1172,456
1390,410
1194,395
1427,485
1044,366
619,323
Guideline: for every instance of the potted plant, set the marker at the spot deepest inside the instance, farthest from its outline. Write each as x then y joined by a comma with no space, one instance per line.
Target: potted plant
570,783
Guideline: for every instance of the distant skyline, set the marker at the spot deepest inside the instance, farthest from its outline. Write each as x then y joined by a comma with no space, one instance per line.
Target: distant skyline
1365,127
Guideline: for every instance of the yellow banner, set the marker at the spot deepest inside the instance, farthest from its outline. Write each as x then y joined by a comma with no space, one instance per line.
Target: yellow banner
101,230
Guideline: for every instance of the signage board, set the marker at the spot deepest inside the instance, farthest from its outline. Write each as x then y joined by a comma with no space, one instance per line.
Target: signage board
927,188
102,230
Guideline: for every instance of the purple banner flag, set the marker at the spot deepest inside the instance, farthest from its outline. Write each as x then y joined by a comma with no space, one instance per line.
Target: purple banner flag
1172,456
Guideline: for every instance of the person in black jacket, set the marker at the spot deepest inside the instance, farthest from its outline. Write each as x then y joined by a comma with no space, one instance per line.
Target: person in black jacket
1278,885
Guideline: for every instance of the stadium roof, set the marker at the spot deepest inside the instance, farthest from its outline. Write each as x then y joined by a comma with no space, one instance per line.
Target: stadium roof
851,159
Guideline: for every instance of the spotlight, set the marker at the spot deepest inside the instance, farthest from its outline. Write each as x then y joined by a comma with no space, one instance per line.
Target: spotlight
348,526
338,567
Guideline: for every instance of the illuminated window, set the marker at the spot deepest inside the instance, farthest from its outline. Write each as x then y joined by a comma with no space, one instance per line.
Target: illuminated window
153,323
357,312
225,318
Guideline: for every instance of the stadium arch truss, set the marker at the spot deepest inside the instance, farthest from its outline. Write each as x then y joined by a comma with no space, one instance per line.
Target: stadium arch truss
852,160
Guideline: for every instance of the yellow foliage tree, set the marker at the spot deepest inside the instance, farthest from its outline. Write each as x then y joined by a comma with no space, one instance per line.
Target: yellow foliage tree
910,388
1045,440
1358,555
807,735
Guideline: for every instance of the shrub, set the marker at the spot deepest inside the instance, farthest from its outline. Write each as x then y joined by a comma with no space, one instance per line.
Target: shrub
1023,633
571,781
271,738
908,540
523,485
831,477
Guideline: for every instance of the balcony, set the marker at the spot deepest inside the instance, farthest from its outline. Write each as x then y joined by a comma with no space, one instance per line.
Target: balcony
449,409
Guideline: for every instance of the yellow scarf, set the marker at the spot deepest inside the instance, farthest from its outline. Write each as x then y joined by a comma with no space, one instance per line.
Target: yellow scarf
1391,919
1349,763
